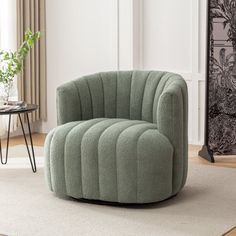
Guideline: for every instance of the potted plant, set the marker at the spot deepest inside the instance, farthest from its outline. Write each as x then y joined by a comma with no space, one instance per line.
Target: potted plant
11,63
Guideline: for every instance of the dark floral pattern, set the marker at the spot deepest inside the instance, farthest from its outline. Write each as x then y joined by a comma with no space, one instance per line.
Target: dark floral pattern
222,76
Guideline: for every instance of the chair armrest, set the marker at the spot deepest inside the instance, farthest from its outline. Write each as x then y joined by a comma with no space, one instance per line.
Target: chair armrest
172,121
68,103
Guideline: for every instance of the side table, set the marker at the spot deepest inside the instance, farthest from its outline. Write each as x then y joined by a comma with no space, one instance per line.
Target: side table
26,110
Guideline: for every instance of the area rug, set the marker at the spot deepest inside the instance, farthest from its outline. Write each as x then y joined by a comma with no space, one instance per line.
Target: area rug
205,207
18,157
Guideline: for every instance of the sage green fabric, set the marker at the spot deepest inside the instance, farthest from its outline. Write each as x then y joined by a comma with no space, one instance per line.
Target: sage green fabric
121,137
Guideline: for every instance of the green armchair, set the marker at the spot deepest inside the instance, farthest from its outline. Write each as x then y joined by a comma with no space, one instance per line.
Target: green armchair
121,137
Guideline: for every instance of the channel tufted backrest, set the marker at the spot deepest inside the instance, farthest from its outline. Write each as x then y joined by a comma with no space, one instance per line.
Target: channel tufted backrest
128,94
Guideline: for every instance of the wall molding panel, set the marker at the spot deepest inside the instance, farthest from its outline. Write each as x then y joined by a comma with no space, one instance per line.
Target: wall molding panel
133,46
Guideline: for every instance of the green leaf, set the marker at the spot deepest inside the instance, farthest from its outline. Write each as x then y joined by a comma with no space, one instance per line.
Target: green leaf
12,61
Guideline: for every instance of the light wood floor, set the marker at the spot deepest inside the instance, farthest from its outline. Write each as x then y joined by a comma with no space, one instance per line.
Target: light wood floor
38,140
231,232
222,161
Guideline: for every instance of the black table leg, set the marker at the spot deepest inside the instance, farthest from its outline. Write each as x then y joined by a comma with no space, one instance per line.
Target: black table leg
8,137
31,157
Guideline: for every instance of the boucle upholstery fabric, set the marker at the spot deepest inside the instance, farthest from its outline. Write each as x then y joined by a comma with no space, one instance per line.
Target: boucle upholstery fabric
121,137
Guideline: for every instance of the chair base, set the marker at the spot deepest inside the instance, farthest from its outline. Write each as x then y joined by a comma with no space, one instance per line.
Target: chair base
120,204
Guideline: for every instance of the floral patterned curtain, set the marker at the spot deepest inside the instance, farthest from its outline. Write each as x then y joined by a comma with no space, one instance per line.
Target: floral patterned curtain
222,77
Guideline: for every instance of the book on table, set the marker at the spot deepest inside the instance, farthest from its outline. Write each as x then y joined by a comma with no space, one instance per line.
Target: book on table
13,106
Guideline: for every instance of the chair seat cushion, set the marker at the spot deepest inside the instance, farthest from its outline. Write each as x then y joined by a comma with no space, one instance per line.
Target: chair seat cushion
117,160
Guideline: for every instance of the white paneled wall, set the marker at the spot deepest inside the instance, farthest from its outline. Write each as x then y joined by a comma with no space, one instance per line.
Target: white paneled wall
85,36
167,35
81,39
174,39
